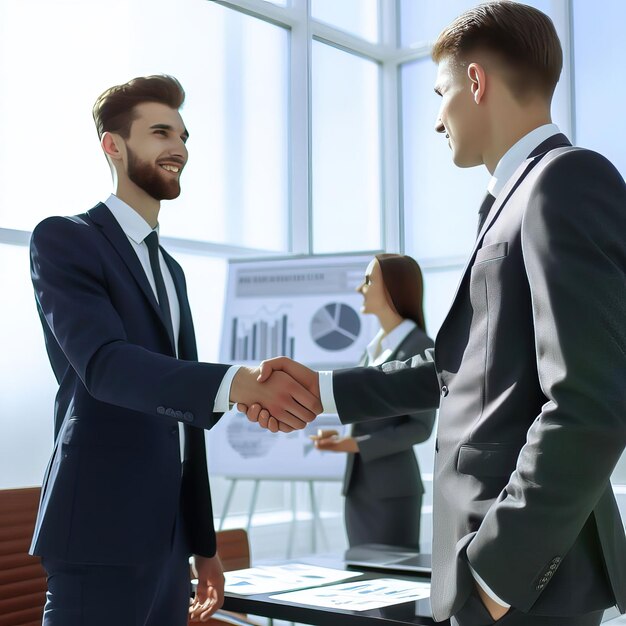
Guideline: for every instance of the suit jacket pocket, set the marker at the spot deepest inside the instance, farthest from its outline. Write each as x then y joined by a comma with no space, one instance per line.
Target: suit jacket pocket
486,459
492,252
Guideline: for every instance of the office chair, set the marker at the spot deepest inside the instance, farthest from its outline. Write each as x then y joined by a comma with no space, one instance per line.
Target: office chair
234,551
22,578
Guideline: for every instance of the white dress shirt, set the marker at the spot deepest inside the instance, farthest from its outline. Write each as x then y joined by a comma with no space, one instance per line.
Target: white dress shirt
136,230
389,342
517,154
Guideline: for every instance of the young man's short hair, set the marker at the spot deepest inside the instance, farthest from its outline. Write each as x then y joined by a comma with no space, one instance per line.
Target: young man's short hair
523,38
114,110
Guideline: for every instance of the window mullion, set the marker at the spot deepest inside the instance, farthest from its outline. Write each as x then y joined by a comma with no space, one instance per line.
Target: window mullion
300,225
391,215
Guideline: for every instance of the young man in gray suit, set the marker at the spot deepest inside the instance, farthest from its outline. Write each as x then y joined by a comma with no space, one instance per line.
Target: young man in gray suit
529,365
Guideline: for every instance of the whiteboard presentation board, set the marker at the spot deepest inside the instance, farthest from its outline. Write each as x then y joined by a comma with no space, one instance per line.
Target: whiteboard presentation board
304,308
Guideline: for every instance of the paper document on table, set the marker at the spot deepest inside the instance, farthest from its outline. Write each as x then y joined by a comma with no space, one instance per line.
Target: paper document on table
271,578
360,595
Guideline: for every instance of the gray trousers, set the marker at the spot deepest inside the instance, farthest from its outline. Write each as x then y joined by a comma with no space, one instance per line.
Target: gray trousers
474,613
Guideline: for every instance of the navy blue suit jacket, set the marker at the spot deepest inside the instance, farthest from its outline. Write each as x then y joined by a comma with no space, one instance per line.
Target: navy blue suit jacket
114,483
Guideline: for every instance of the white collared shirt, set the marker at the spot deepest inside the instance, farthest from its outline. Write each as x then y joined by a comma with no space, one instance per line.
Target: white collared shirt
517,154
136,230
389,342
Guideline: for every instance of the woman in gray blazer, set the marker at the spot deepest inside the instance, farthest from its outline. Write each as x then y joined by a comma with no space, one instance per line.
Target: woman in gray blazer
382,484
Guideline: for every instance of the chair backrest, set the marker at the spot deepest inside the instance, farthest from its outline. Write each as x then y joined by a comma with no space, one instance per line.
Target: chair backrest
233,548
22,578
234,551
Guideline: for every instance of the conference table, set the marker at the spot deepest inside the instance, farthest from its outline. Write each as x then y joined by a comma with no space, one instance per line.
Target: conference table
413,612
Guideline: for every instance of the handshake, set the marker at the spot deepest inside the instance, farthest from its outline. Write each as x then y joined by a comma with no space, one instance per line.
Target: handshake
281,394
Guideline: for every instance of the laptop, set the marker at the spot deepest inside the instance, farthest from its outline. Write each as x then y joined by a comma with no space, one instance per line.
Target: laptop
390,558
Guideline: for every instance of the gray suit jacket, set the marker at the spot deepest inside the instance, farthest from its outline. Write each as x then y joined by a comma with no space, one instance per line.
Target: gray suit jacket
388,467
528,369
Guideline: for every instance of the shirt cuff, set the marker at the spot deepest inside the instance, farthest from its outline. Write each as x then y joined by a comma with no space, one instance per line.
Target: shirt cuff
487,590
222,398
327,397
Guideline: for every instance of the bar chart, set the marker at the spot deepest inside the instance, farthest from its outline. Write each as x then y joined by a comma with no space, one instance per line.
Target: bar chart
261,339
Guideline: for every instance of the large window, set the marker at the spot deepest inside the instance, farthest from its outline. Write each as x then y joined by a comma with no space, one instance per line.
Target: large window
234,69
600,92
312,131
346,165
358,17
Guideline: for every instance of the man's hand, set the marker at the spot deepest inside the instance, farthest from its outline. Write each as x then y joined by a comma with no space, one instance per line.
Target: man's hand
330,440
289,404
261,412
308,378
495,610
210,590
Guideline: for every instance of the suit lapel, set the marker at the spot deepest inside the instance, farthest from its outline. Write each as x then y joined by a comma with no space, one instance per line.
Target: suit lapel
513,183
509,189
103,218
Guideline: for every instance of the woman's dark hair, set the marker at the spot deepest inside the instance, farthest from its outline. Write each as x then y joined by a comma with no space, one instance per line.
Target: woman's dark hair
402,278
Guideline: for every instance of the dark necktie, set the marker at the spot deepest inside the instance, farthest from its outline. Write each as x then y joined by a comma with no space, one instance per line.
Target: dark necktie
483,212
152,241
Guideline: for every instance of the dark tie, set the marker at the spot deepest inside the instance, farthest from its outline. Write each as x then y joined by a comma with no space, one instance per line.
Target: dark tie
483,212
152,241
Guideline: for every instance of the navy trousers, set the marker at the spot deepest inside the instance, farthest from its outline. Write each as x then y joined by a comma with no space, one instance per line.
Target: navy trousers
153,594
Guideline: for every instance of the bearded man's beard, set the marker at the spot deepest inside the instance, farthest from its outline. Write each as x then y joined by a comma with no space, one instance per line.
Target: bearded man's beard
148,177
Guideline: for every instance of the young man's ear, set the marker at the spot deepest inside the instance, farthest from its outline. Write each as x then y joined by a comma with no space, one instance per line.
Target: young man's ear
478,81
110,143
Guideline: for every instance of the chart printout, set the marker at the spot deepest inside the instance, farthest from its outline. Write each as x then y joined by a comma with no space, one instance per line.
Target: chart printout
304,308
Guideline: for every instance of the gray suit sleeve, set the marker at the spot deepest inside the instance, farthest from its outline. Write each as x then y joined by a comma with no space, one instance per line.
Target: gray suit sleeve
398,437
395,388
574,246
401,434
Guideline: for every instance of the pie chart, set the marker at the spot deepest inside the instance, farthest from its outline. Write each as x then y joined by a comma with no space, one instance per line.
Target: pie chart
336,326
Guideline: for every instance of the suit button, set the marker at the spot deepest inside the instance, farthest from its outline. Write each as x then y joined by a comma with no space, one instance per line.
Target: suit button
188,416
174,431
161,410
444,391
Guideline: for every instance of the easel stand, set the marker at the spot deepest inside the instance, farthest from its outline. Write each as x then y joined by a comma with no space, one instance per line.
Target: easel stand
316,523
